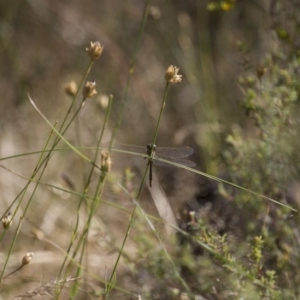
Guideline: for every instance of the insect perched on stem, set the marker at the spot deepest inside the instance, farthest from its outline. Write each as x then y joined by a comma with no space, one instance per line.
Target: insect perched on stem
154,156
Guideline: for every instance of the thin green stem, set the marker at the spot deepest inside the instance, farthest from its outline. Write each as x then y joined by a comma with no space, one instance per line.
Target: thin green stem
26,208
39,165
124,100
160,114
110,283
60,135
57,139
208,106
73,102
95,203
182,281
61,130
95,200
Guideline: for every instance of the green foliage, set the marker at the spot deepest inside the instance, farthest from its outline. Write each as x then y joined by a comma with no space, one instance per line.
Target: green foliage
266,159
110,246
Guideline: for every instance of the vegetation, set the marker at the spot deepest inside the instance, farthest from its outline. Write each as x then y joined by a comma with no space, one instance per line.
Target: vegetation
219,76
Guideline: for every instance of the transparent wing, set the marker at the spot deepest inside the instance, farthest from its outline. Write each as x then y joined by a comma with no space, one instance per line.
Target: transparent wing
172,152
128,160
129,148
184,162
178,152
166,153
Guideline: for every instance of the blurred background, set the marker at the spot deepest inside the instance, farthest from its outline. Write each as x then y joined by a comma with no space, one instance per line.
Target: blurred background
43,47
223,50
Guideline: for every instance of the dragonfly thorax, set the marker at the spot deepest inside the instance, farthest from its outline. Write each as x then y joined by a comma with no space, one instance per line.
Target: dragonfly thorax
151,148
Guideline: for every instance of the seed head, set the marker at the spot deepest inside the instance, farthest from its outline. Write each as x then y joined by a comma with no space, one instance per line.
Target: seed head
95,50
70,88
192,226
6,221
27,258
89,89
105,161
192,216
172,75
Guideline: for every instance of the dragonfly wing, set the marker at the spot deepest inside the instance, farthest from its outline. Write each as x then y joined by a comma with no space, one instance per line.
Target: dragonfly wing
184,162
179,152
167,153
129,148
127,160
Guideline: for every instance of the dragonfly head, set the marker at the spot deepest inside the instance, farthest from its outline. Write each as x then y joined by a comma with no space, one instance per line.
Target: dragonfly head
150,148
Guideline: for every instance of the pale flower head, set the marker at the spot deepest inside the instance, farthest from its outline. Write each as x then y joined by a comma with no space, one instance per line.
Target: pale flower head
105,161
7,220
95,50
71,88
172,75
27,258
89,90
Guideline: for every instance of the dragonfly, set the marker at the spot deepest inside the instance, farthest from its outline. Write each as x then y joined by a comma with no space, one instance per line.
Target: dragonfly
151,154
